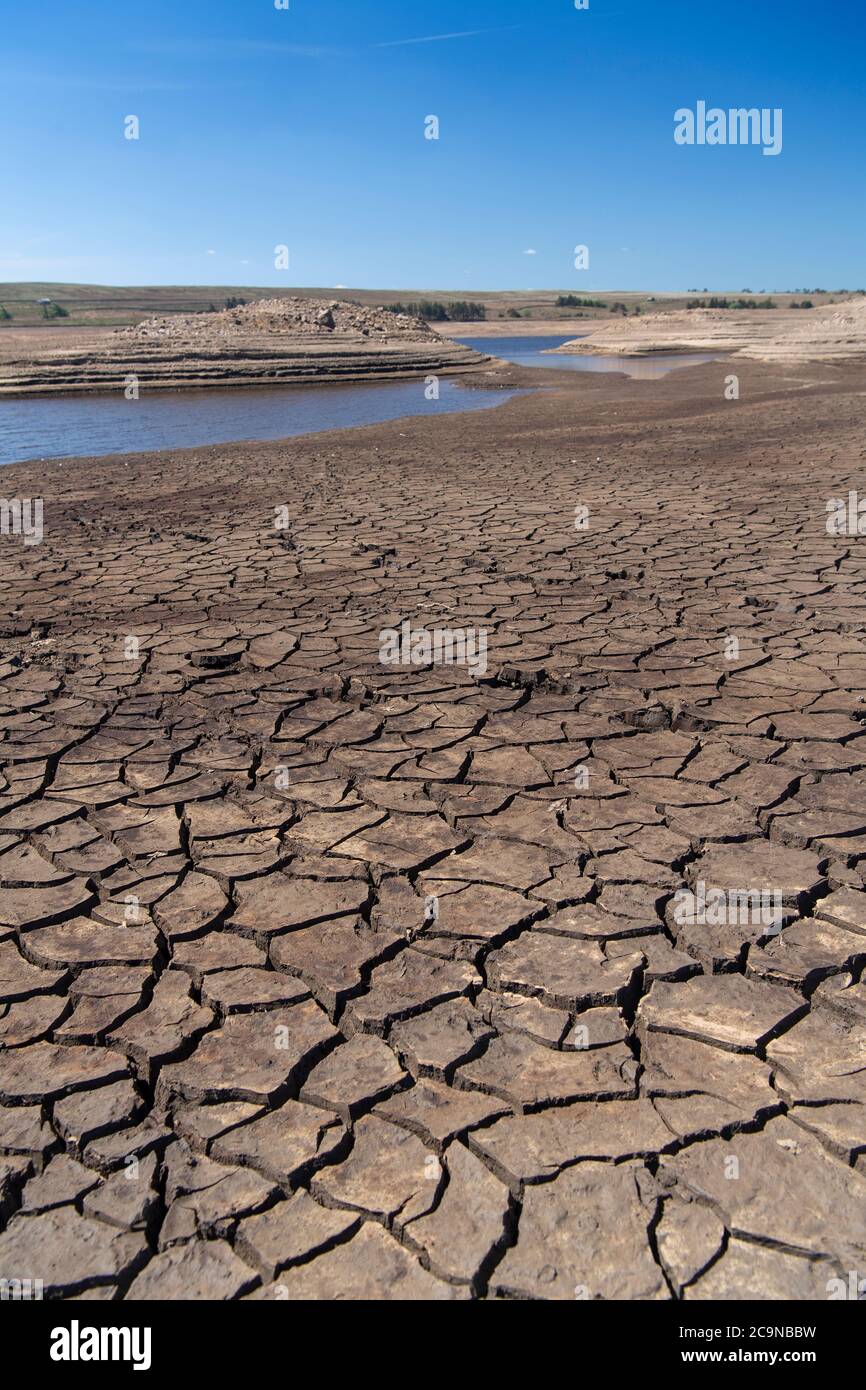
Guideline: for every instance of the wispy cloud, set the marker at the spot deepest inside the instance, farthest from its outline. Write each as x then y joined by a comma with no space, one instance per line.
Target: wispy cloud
442,38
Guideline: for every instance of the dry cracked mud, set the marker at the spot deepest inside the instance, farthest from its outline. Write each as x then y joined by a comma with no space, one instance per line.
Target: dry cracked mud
327,979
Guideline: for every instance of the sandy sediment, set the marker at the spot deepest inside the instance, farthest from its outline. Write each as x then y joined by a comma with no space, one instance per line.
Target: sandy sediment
261,344
831,333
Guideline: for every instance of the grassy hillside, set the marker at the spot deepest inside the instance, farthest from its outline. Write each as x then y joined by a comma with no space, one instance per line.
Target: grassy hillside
106,305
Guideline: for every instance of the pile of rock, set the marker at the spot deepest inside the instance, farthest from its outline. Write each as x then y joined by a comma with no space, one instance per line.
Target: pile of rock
289,317
271,342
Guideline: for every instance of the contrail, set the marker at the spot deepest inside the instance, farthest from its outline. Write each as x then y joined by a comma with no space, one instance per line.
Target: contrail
440,38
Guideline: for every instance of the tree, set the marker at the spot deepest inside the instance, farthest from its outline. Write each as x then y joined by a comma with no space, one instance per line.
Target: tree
434,310
574,301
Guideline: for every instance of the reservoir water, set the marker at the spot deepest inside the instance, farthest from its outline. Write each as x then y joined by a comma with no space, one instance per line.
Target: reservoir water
65,427
536,352
68,426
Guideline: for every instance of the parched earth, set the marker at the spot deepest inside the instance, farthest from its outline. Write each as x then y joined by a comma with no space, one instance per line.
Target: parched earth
324,978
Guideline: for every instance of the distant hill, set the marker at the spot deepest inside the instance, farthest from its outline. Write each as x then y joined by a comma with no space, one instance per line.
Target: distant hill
116,305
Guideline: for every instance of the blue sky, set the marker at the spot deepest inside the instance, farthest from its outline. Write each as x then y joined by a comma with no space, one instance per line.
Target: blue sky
305,127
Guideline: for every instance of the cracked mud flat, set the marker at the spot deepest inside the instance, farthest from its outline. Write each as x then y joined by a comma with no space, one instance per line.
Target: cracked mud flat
242,1058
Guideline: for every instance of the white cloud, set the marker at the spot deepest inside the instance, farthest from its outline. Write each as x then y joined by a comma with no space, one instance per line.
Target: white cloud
530,252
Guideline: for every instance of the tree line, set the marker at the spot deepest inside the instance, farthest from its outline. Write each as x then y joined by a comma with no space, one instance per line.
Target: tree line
436,311
574,301
720,303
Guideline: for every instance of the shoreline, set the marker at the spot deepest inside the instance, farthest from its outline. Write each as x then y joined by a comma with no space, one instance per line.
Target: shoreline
613,389
509,378
168,385
470,382
380,374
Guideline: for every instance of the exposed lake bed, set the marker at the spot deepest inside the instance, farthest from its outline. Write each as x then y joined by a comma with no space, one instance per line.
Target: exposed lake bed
197,703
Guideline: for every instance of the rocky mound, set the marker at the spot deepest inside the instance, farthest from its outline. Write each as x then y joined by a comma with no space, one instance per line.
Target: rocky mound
290,317
273,341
